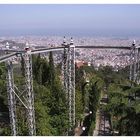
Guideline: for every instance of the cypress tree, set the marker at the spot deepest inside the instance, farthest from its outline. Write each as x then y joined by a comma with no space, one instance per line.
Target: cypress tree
39,75
22,66
51,70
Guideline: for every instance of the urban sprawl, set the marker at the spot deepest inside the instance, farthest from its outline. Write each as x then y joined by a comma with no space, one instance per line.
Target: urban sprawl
116,58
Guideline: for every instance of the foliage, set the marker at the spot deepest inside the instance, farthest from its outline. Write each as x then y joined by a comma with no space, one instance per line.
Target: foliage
50,100
51,104
123,108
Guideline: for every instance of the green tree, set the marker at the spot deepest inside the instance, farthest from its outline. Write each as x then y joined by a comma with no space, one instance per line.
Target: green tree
51,69
22,66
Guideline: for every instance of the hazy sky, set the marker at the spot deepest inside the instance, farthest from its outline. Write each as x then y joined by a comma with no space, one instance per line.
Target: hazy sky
84,20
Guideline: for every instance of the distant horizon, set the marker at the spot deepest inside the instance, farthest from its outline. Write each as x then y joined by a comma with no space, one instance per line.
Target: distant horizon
70,33
70,20
69,36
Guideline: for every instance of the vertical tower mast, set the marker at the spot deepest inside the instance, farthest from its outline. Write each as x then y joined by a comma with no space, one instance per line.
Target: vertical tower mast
65,67
30,94
132,65
71,84
138,65
11,96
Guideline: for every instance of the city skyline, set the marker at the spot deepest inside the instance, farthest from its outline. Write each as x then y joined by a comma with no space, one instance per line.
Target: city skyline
75,20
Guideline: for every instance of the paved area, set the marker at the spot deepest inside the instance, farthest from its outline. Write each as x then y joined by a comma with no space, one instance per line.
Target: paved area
102,121
104,126
95,133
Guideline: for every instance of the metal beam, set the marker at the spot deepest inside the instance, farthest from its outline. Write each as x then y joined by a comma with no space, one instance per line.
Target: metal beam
78,47
47,50
7,57
102,47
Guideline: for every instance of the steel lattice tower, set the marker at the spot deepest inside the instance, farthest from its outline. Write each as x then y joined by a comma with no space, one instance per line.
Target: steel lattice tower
135,64
11,98
132,63
65,68
138,65
71,85
30,94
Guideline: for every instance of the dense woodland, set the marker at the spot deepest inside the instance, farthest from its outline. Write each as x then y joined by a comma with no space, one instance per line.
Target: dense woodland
51,107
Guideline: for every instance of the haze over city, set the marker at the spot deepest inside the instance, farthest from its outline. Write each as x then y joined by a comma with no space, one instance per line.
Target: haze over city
74,20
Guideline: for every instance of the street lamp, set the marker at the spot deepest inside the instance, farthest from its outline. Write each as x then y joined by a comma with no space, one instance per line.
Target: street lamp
90,112
83,128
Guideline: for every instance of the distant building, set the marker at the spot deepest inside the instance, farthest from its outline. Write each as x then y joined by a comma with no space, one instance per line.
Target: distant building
82,63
